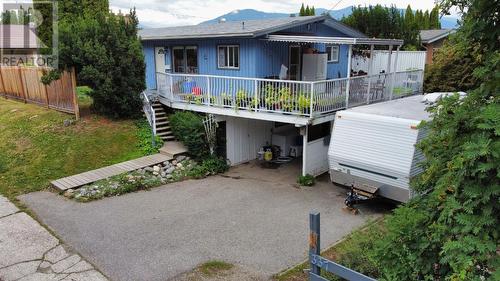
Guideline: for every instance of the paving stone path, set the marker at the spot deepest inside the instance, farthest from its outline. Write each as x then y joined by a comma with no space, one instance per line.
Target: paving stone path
28,252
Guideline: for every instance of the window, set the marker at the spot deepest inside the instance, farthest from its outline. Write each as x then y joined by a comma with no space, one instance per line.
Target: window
228,56
185,59
333,53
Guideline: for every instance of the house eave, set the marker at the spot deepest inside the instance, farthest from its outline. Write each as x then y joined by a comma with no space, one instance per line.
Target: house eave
205,36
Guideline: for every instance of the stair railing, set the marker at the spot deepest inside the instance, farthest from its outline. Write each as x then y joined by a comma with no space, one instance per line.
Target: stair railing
149,111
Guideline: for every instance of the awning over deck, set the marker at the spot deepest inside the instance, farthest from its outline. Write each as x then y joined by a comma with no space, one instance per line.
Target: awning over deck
333,40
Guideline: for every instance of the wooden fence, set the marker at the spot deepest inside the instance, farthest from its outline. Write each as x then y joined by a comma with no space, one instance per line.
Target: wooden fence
23,83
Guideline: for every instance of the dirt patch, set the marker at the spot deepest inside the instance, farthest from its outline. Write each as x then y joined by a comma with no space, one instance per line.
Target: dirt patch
239,273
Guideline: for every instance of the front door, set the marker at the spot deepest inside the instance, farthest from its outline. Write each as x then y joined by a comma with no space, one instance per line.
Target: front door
294,62
160,59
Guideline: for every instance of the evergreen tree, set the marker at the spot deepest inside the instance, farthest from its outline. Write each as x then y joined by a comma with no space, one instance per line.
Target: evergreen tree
434,18
308,11
313,11
426,24
302,10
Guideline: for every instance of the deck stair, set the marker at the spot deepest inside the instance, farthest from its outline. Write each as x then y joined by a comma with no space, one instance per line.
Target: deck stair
163,129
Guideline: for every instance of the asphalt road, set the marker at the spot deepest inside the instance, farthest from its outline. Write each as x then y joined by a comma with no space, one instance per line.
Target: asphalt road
259,222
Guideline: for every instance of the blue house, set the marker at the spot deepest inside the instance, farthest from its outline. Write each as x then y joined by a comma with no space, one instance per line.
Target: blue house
257,75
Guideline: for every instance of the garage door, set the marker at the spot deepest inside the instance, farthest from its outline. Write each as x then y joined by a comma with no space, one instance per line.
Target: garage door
245,137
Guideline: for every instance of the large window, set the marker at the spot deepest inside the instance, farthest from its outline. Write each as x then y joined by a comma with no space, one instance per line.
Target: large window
228,56
185,59
333,53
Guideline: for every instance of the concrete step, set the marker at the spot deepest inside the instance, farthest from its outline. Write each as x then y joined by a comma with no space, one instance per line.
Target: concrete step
173,148
162,123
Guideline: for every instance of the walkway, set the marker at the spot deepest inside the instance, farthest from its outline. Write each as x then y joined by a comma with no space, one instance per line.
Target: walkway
109,171
28,252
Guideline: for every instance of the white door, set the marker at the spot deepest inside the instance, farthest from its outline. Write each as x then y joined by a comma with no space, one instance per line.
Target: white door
245,137
160,59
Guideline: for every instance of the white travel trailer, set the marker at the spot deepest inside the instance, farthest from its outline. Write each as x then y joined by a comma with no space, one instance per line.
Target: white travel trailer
372,148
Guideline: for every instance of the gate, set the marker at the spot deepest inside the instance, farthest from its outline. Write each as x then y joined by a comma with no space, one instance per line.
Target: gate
317,262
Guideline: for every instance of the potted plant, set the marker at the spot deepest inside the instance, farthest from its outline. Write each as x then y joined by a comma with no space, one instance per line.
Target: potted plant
304,104
241,98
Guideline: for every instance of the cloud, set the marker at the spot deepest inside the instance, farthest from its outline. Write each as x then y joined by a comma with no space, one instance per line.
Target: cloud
159,13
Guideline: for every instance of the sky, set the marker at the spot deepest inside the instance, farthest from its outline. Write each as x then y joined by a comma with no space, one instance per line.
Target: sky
160,13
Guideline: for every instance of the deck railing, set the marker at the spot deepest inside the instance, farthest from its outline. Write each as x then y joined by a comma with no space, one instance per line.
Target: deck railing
300,98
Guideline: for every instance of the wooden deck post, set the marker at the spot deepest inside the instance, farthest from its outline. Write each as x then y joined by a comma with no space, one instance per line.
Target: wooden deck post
304,131
75,95
394,72
348,77
370,67
389,71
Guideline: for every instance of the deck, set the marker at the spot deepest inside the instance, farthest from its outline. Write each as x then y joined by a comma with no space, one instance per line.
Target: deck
109,171
295,102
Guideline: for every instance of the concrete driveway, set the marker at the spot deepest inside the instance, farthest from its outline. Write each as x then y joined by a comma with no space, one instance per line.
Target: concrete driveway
252,217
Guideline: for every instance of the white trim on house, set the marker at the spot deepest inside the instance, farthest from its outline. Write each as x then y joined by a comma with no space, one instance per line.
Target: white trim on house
333,53
235,56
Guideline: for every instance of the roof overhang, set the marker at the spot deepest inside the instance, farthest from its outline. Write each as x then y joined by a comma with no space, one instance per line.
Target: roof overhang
333,40
439,37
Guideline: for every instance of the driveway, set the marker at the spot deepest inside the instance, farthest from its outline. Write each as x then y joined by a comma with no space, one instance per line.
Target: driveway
252,217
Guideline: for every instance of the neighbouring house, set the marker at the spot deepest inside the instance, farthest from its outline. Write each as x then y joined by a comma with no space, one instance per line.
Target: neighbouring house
432,40
19,45
268,82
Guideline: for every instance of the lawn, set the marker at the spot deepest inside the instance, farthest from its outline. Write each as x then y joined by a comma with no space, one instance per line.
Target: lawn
36,147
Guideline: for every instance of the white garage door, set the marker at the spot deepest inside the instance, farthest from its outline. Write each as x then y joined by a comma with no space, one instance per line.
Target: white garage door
245,137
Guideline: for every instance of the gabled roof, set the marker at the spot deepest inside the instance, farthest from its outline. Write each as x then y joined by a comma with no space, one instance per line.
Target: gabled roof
432,35
17,36
246,28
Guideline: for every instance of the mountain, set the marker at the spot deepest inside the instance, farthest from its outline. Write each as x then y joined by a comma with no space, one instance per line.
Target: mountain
251,14
247,14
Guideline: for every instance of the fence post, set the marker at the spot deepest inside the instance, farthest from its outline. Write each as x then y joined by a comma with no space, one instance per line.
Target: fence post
75,95
23,93
314,240
3,84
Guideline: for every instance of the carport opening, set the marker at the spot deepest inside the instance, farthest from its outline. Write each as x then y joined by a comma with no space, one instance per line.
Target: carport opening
273,145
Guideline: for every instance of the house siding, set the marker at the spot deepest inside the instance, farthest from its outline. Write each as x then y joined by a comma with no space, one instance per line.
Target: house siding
258,58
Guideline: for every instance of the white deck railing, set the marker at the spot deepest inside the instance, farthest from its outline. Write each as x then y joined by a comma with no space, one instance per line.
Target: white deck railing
300,98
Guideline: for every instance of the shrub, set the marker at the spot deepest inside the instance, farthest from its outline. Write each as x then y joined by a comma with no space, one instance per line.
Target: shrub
452,69
188,128
307,180
144,135
209,166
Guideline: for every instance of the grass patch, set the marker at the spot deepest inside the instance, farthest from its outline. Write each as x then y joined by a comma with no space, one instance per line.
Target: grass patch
36,147
353,252
212,268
